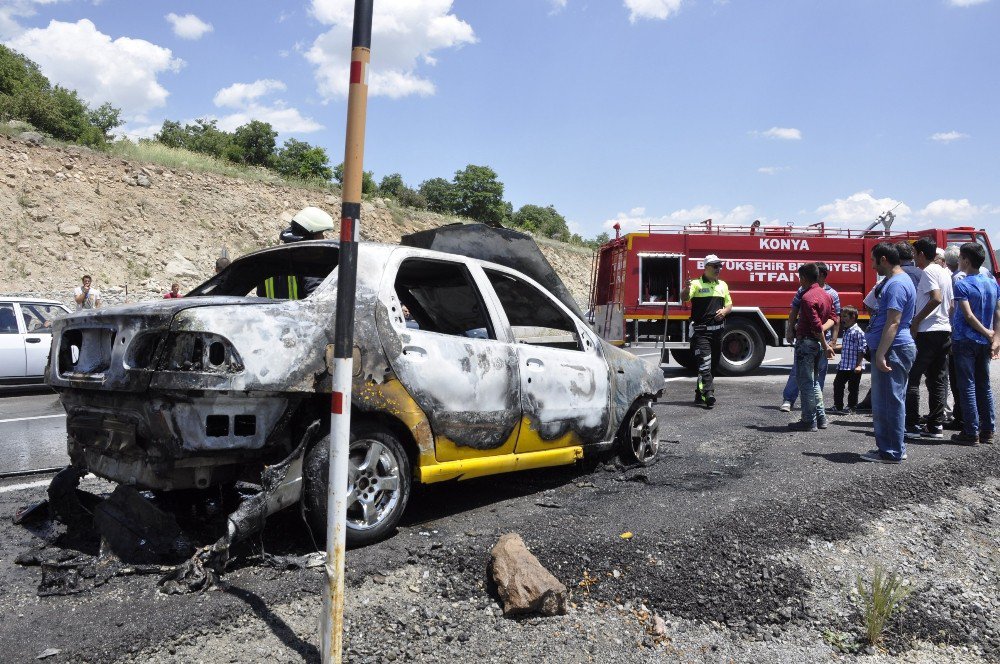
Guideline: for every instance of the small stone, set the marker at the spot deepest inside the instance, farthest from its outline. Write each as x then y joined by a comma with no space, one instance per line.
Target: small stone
69,229
143,180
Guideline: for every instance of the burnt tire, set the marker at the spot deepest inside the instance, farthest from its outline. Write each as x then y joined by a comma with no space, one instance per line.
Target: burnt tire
741,348
379,484
638,438
686,359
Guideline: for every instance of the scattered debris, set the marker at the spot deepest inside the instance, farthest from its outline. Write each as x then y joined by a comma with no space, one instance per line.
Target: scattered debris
626,535
523,584
48,652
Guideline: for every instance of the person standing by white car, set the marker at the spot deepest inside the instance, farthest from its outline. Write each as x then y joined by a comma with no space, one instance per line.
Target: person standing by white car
86,296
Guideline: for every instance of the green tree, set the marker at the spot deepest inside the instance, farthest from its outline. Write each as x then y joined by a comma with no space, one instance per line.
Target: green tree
171,134
205,136
301,160
411,198
479,194
391,185
544,221
105,117
368,186
252,144
440,195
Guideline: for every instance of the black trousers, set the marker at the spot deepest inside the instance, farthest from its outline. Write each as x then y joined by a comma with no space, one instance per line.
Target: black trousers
852,379
706,346
956,395
931,362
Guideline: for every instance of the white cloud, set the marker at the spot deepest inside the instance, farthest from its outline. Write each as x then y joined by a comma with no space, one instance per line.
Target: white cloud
407,33
122,71
134,132
951,209
240,94
12,10
966,3
781,133
948,136
659,10
246,99
861,208
771,170
638,219
188,26
557,6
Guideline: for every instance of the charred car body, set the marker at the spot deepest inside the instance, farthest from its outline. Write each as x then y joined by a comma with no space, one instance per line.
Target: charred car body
489,372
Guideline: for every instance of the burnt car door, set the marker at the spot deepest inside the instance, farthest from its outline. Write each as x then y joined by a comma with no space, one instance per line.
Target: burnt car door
564,377
445,352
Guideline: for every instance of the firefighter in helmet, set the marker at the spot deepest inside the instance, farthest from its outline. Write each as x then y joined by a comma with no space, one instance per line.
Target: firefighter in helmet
308,224
710,304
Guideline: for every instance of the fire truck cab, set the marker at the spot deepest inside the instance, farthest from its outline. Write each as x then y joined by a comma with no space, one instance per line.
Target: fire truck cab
638,279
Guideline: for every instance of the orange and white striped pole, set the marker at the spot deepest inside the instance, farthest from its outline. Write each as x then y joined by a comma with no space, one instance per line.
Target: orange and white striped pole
332,624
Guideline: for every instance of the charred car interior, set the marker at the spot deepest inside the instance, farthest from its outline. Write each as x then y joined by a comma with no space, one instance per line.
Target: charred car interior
490,372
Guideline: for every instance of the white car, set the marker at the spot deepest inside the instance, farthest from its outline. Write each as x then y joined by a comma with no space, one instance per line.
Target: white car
25,338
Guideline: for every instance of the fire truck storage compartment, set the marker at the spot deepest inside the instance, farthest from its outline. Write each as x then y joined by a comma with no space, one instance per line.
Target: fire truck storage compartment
660,276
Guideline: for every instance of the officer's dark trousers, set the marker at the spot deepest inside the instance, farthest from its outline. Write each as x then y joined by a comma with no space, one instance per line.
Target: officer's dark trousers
706,347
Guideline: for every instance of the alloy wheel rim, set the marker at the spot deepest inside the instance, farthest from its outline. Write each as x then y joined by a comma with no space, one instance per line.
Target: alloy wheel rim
644,433
373,484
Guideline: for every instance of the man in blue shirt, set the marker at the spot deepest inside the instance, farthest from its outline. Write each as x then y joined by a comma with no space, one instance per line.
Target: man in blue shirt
893,352
791,391
975,321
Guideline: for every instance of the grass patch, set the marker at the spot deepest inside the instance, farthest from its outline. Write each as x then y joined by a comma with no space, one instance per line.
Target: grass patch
880,599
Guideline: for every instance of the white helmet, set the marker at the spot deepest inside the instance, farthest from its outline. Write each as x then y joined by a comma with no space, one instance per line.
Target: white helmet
313,220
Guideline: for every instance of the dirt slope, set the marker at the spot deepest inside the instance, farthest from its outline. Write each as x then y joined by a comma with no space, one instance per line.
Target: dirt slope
68,211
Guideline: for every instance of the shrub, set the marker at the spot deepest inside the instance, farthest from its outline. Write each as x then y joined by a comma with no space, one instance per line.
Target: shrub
879,600
301,160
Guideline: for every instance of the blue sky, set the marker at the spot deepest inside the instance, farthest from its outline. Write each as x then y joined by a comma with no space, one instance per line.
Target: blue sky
662,111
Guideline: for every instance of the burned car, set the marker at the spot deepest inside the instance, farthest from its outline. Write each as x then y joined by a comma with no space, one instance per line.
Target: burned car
486,372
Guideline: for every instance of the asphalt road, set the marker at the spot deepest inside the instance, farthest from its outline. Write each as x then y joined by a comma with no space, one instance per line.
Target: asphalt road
732,486
32,431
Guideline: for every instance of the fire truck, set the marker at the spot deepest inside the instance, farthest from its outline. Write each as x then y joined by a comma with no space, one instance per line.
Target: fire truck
638,279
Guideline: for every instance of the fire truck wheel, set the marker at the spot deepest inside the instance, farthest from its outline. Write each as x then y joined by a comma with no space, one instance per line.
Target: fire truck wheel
685,358
742,348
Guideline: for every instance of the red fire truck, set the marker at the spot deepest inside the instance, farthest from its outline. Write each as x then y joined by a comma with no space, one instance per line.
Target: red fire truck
638,278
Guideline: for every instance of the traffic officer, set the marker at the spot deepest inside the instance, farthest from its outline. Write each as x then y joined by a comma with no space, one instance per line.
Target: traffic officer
308,224
710,304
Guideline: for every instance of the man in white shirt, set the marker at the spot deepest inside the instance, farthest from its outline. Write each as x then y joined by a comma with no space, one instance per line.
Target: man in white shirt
931,329
86,296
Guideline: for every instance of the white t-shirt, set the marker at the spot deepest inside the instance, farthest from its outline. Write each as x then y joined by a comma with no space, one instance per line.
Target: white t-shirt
935,277
92,297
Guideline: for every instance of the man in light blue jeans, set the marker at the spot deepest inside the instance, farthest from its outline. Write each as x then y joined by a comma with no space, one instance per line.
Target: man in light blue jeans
791,391
812,348
894,351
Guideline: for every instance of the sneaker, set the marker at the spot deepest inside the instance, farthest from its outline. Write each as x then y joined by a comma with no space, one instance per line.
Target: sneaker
880,457
802,425
785,407
913,431
985,437
821,423
933,432
710,401
838,411
922,419
954,425
965,439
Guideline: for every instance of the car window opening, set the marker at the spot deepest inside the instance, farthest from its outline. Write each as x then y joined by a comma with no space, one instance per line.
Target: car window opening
534,317
440,297
8,321
292,272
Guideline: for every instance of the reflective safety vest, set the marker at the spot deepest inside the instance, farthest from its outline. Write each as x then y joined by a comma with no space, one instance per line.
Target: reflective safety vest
707,297
281,288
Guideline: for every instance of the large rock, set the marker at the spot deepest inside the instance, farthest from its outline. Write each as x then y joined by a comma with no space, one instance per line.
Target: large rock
181,267
523,584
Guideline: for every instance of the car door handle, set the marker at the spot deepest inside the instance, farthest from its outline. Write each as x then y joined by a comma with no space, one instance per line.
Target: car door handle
535,363
33,340
414,352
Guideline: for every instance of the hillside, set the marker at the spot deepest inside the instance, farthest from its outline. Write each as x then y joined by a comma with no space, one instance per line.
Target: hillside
69,211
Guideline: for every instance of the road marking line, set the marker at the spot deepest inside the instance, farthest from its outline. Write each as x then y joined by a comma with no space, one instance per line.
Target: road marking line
20,487
36,417
667,380
775,359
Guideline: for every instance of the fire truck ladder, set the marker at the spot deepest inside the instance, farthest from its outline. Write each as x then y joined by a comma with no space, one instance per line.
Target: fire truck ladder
617,294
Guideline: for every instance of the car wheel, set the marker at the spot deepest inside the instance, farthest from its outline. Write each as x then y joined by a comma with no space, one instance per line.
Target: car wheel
685,358
742,349
378,484
639,435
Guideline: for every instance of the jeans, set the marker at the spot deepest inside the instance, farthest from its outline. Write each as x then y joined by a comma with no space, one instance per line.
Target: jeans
809,359
972,362
706,347
932,362
889,400
791,392
852,379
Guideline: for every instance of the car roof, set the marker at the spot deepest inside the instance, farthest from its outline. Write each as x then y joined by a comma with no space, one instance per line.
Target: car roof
32,300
